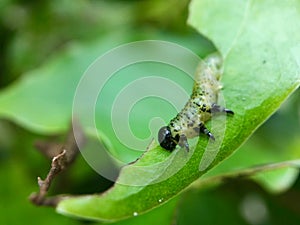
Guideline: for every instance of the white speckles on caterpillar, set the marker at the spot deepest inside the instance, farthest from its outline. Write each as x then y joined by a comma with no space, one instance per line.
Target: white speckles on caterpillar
190,122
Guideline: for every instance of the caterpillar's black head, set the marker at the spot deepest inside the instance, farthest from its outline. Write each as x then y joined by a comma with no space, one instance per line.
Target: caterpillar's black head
166,140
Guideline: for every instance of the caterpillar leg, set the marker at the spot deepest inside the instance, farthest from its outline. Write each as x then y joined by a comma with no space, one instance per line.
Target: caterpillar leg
219,109
205,131
183,142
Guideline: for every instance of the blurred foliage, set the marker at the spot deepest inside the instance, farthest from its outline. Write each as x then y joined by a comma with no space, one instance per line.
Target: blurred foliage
31,32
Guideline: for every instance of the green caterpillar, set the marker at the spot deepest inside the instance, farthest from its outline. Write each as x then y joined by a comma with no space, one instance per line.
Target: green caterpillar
190,122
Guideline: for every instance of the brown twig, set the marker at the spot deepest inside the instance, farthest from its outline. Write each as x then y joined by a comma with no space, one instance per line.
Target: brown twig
65,155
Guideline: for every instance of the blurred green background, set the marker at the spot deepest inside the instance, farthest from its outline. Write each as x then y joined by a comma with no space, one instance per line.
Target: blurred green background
32,32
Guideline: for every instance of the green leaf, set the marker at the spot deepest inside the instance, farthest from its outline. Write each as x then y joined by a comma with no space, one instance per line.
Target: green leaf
260,44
